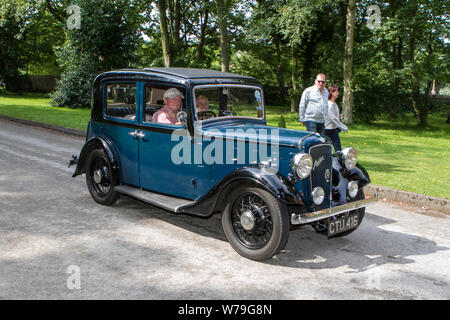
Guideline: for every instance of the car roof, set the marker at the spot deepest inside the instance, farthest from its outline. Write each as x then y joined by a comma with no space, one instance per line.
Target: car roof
188,73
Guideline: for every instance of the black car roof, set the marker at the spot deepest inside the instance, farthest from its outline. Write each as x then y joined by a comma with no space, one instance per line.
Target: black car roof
194,73
187,73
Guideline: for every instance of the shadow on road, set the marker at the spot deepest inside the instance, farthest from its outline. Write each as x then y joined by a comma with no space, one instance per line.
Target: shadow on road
371,245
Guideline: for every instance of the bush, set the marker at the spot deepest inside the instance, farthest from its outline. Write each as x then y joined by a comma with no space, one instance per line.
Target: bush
74,88
281,122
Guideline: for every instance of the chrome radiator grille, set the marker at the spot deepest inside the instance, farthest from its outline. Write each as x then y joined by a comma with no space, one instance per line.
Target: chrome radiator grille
322,171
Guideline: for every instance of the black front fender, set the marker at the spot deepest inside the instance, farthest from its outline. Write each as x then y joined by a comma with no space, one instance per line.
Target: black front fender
341,178
92,144
277,185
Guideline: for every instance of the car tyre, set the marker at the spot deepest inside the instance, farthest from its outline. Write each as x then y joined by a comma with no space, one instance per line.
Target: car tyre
100,178
255,223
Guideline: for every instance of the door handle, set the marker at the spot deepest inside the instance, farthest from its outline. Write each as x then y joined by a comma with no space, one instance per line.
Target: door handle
142,136
134,134
138,135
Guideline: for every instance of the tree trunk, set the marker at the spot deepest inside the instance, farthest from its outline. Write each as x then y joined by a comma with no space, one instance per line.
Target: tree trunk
419,107
175,26
280,77
223,7
294,78
396,61
162,7
201,44
347,101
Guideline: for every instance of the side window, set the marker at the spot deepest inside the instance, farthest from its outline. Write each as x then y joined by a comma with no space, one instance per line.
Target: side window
121,101
164,104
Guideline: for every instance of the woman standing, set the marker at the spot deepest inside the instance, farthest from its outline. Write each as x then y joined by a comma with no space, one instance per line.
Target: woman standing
333,125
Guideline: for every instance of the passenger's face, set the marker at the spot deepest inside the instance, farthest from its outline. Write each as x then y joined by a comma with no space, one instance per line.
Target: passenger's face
202,104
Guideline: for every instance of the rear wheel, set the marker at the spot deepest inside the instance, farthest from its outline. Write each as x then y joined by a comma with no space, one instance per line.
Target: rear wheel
100,179
255,223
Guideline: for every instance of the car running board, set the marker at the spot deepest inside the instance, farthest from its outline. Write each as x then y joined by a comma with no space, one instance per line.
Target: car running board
166,202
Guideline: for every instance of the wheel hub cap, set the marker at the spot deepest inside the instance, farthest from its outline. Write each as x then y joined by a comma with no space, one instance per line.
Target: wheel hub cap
97,176
247,220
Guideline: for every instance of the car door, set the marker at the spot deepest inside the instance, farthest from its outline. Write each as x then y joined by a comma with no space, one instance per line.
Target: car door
120,113
165,150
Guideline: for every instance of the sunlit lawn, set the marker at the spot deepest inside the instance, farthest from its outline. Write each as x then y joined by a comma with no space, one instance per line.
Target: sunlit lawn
397,153
36,107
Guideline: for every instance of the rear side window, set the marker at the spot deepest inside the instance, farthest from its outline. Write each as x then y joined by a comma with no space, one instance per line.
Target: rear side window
121,101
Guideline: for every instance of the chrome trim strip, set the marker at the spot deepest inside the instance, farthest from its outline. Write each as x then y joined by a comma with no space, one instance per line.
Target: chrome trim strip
303,218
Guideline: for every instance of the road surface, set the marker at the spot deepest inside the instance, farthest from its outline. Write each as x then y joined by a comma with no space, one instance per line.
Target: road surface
57,243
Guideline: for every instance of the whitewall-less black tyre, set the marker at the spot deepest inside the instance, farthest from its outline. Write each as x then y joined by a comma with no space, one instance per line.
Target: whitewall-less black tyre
255,223
100,179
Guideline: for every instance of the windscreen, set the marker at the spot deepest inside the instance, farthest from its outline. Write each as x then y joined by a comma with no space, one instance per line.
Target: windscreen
228,101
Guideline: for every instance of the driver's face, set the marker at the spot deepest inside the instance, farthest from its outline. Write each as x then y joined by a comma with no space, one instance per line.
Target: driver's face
173,103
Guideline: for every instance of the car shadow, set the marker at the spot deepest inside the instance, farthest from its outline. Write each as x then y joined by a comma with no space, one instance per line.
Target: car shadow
368,246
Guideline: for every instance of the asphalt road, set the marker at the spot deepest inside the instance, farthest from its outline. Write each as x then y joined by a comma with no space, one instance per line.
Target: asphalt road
57,243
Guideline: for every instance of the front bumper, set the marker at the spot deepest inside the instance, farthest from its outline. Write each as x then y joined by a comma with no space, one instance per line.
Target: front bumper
303,218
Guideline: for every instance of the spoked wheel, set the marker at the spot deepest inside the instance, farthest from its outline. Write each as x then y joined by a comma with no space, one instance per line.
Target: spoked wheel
100,179
255,223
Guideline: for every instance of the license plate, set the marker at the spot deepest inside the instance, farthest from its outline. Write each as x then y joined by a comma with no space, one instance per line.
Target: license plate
343,224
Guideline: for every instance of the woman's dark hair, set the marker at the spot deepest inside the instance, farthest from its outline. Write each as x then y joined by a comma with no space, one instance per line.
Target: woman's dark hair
332,89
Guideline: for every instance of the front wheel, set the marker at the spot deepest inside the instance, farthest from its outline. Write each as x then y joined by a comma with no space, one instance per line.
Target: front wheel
255,223
100,179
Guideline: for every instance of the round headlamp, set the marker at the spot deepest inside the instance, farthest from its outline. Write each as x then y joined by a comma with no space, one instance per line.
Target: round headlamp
302,165
318,195
349,157
352,189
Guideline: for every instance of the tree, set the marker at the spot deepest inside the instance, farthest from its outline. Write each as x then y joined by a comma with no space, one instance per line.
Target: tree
395,64
28,34
10,50
223,10
166,45
347,101
100,45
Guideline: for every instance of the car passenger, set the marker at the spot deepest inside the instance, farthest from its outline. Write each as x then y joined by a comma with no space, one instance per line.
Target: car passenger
202,103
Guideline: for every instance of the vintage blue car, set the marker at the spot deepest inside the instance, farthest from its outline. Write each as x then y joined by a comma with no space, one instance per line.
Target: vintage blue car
196,141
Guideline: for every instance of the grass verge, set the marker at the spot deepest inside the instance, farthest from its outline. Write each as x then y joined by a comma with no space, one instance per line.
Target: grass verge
36,107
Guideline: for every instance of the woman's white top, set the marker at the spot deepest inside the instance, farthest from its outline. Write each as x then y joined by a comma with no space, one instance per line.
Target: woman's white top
332,118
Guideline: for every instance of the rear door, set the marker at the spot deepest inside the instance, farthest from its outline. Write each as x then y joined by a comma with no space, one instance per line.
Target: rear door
120,113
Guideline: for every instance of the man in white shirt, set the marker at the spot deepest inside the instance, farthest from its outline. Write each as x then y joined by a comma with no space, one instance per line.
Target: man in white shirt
313,106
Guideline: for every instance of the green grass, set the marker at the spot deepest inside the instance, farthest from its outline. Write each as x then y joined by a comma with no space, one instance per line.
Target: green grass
397,153
36,107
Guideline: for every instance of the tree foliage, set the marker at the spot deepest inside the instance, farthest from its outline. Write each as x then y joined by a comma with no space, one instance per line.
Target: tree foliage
283,43
101,44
